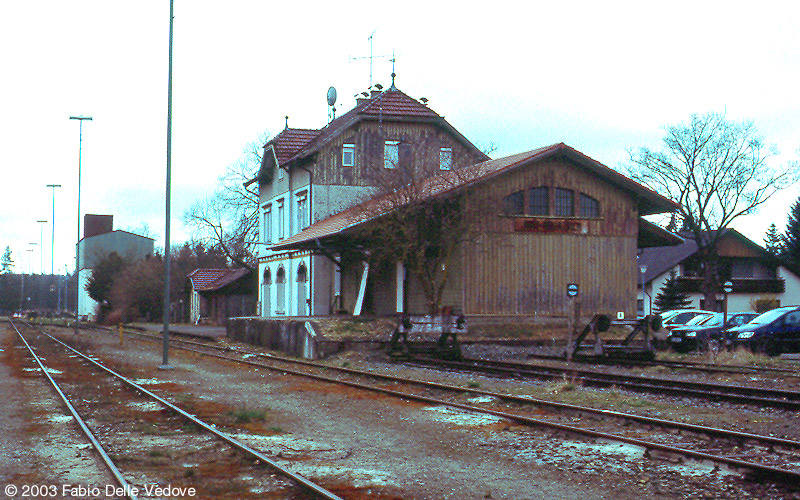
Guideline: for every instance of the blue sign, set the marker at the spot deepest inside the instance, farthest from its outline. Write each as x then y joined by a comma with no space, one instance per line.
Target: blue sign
572,290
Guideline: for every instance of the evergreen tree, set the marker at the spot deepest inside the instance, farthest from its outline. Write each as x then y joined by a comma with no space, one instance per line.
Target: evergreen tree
773,242
6,263
670,297
790,250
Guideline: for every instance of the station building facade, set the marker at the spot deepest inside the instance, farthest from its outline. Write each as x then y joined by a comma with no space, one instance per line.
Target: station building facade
555,217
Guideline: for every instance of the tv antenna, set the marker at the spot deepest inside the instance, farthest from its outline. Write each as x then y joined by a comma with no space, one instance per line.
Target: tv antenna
372,57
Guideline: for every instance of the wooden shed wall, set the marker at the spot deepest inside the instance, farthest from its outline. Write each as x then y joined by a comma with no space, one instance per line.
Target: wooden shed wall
511,272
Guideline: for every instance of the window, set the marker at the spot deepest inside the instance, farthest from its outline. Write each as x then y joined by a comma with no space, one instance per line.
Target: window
348,155
514,204
445,158
281,230
539,201
589,206
280,280
391,154
266,223
302,210
564,205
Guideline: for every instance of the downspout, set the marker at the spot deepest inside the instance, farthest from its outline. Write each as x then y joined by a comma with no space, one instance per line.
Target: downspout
310,277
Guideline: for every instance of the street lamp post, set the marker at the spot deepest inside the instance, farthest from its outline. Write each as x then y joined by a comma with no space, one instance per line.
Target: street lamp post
643,269
165,343
41,244
53,225
78,245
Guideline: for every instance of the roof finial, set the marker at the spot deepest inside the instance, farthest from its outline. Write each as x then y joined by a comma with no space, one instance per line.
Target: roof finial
393,73
287,121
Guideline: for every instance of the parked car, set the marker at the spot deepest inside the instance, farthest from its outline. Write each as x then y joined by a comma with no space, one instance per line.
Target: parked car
772,333
705,332
679,317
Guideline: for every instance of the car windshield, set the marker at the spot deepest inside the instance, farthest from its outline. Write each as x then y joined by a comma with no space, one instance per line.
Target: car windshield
770,316
702,319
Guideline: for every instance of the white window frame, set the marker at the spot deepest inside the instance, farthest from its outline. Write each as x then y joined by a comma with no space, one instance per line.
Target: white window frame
266,224
391,154
281,222
348,149
302,210
445,158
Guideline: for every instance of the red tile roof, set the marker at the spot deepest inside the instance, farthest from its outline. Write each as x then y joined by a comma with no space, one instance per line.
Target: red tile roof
289,141
214,279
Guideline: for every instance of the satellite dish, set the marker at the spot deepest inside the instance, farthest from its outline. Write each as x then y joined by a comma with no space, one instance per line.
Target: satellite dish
331,96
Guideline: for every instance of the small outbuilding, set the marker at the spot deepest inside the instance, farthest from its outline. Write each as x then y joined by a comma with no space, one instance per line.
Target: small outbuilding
219,294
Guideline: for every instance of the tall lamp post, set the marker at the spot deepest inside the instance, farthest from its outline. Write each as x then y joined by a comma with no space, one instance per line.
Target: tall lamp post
53,235
78,245
168,196
41,245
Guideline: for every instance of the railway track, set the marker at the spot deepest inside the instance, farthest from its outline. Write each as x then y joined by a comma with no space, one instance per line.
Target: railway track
687,365
775,398
112,409
749,454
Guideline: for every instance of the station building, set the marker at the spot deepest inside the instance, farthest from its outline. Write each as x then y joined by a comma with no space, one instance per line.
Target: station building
553,217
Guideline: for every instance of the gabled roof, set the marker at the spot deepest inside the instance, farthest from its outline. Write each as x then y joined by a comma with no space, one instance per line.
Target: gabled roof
451,182
290,141
659,260
294,145
214,279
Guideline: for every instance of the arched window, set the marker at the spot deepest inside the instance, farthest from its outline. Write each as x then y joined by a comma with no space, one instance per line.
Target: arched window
514,204
539,201
302,292
266,299
564,202
589,206
280,281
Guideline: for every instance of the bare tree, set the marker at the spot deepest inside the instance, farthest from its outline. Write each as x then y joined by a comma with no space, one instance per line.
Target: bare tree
420,216
227,220
718,171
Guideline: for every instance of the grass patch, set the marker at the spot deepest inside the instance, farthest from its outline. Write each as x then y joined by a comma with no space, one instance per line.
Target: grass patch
245,415
473,384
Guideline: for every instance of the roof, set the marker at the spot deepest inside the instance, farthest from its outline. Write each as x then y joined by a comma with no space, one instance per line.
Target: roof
452,181
214,279
294,145
659,260
289,141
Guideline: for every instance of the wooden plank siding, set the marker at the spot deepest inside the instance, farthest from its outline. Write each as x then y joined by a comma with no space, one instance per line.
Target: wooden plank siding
420,144
526,273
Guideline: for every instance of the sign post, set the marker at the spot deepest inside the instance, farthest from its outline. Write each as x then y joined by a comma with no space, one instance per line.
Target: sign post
727,288
572,293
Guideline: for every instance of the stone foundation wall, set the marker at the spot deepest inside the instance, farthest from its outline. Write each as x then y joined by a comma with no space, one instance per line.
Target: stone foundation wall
295,337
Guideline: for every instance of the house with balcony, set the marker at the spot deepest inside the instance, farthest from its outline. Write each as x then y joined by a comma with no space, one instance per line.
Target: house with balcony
760,280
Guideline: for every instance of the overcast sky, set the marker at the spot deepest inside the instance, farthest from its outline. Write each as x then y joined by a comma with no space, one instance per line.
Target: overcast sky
603,77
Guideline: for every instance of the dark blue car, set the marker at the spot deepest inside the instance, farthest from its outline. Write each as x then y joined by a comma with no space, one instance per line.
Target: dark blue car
772,333
707,333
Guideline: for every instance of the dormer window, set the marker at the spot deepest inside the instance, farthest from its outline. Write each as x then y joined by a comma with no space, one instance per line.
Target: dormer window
348,155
